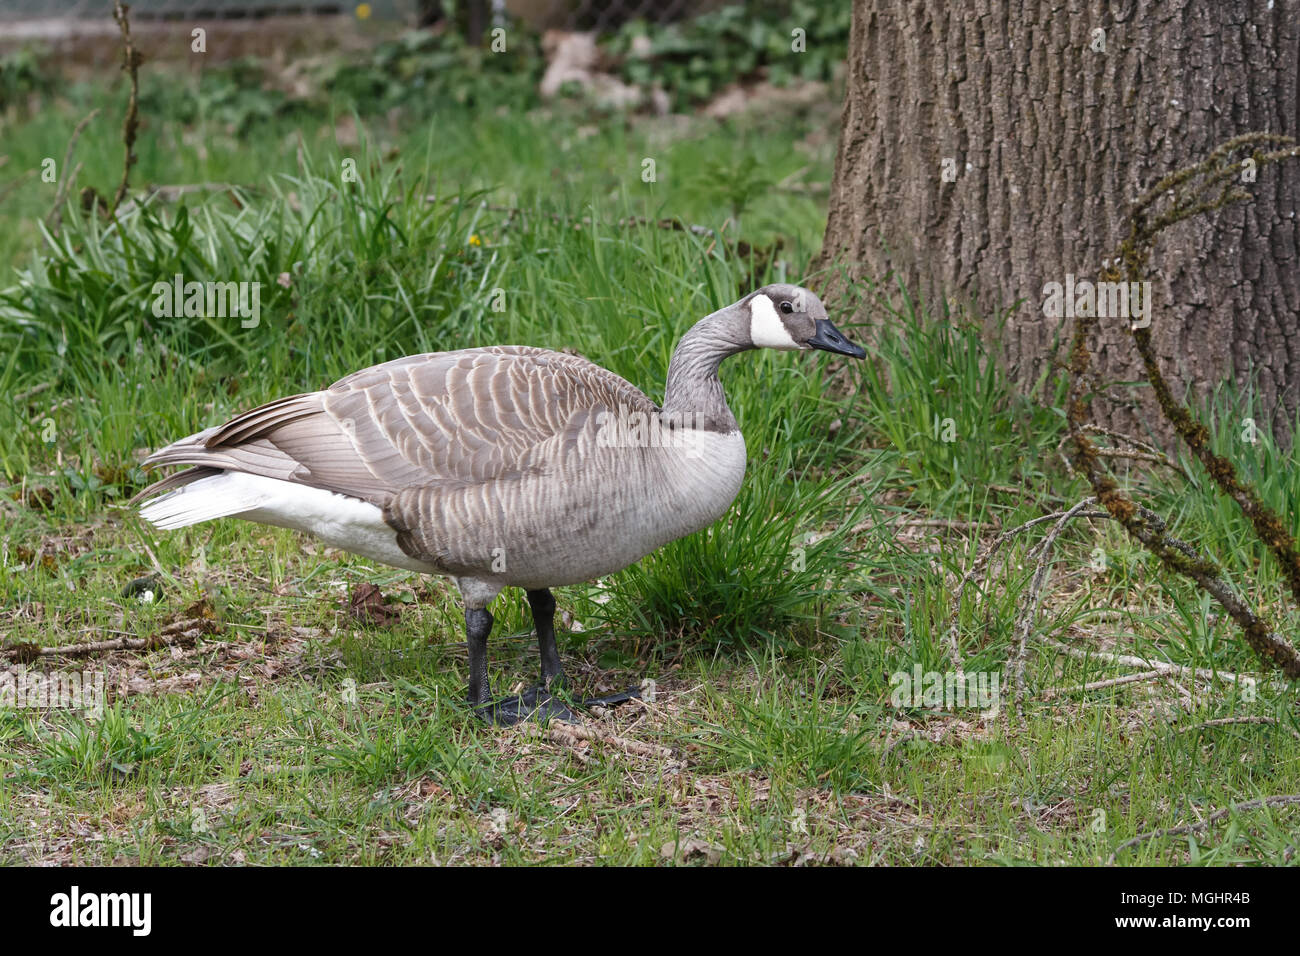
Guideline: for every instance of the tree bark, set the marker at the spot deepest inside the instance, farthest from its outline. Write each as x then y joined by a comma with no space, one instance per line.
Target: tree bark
1051,136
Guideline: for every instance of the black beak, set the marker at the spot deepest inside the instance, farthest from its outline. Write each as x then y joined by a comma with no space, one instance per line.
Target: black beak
831,339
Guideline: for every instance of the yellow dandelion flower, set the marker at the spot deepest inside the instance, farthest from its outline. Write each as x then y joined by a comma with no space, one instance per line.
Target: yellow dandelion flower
363,11
474,240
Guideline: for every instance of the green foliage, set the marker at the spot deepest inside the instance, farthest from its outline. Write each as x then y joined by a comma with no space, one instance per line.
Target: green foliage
368,749
420,73
236,96
693,60
325,253
22,76
111,746
425,71
1240,429
957,421
737,181
124,742
797,725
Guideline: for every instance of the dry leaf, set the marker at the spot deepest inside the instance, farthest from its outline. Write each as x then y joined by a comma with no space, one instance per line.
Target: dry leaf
367,603
691,850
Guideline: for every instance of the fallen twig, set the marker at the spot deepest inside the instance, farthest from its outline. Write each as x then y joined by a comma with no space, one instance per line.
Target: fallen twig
575,735
1280,800
32,392
1129,660
1052,692
1034,597
1226,721
954,652
180,632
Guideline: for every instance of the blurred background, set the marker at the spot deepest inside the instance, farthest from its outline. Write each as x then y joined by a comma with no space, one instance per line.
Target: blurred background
71,26
222,83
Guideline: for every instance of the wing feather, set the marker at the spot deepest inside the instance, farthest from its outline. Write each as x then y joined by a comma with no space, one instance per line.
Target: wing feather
441,419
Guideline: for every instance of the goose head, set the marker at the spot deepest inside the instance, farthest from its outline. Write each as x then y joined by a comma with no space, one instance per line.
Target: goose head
790,317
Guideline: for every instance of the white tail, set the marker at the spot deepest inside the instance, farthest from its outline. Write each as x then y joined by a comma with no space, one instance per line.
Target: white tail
218,496
341,521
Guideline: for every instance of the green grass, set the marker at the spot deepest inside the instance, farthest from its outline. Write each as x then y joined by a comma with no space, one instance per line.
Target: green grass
298,733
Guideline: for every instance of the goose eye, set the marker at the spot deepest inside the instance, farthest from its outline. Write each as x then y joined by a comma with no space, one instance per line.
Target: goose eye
787,308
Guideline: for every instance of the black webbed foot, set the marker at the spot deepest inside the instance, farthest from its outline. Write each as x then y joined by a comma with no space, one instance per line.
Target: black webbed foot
551,699
537,703
533,704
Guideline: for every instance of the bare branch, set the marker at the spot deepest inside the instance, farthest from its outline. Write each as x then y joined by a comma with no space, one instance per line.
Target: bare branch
1277,801
178,633
131,60
1034,597
1188,192
954,652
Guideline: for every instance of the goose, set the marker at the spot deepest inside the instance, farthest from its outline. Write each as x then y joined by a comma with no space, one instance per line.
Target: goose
502,466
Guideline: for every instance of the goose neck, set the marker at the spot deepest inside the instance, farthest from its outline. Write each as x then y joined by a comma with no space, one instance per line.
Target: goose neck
693,387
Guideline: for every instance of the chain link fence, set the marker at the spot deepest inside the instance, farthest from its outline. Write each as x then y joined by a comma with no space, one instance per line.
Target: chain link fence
541,14
83,31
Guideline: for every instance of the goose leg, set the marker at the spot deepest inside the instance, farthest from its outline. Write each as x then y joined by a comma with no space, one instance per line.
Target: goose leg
543,605
536,703
478,625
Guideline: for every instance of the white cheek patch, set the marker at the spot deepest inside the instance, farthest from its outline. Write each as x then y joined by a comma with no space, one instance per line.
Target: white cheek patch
766,330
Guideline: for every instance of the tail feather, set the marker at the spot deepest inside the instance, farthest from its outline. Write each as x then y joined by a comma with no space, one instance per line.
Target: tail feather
188,446
258,457
171,482
203,498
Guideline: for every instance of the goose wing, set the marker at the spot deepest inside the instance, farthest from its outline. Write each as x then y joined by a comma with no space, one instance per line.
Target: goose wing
439,419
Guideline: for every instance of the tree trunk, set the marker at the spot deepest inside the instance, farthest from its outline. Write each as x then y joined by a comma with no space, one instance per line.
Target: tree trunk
1051,128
